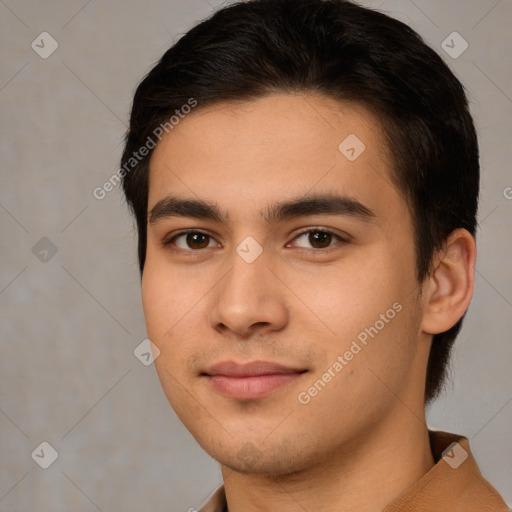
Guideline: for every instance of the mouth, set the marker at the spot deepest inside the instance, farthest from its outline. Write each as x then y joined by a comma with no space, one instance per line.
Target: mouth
250,381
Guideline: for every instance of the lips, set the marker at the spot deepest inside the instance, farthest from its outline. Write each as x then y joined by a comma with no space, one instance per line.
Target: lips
232,369
250,380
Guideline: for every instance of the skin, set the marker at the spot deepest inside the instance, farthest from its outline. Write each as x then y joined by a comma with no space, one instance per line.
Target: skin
362,440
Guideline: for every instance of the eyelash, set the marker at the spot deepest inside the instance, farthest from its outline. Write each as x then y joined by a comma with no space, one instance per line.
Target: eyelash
168,242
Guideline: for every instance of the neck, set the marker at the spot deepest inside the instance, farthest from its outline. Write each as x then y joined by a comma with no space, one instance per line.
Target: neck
374,470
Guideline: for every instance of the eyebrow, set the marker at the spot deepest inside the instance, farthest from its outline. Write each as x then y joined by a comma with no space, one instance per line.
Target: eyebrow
323,204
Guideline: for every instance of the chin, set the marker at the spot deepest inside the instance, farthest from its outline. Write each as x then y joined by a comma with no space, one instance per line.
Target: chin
272,460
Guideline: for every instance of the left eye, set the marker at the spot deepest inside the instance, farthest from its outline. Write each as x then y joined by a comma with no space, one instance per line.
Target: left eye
318,238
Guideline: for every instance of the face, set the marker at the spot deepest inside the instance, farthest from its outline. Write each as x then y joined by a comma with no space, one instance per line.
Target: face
279,282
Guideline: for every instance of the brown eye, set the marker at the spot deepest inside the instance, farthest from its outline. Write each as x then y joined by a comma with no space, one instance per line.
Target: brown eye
191,241
319,239
197,240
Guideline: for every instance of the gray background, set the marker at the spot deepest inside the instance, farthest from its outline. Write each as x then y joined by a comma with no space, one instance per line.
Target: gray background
71,320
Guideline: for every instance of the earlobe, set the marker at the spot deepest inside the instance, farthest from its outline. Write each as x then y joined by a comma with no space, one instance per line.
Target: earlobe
450,287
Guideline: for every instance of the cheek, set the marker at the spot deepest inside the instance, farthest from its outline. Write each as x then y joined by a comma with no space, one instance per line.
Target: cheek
155,300
165,316
372,365
346,298
366,311
167,298
174,316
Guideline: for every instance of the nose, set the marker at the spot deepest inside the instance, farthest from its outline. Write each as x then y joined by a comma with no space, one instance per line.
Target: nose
249,300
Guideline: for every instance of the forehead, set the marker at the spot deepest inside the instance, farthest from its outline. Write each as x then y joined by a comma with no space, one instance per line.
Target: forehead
247,154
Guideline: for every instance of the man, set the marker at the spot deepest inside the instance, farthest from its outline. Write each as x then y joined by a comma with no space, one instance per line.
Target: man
304,176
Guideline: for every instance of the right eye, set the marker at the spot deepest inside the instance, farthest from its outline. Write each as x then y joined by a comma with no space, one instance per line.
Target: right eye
191,241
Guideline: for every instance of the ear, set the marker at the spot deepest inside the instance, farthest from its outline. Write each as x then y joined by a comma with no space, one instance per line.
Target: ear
449,289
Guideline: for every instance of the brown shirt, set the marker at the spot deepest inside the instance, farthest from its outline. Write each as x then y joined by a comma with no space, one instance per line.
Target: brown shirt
454,484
